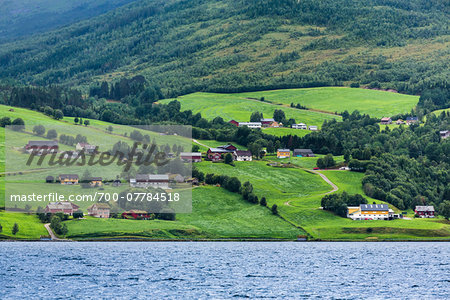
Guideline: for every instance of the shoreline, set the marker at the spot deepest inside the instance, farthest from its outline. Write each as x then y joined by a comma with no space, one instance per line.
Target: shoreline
221,240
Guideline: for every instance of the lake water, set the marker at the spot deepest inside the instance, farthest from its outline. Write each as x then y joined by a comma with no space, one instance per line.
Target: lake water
224,270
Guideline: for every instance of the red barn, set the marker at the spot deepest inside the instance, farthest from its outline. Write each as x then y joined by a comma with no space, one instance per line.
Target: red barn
235,123
425,211
39,146
191,156
64,207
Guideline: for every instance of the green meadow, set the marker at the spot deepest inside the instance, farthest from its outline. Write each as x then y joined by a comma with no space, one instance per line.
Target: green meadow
216,213
239,106
338,99
236,107
298,193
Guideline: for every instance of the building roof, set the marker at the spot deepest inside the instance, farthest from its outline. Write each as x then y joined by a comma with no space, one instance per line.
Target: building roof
249,123
96,179
379,207
300,124
62,205
243,153
313,126
284,150
412,119
424,208
306,151
443,132
385,119
190,154
268,120
68,176
151,177
42,143
218,150
100,206
227,147
49,177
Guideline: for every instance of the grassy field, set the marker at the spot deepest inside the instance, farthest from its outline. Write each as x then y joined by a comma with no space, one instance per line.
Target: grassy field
285,131
216,214
338,99
236,107
29,226
240,106
299,203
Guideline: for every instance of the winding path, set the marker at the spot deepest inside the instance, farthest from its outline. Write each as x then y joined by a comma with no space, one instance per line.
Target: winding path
50,232
325,178
197,142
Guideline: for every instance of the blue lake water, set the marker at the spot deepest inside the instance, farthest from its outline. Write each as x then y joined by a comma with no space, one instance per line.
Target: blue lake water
224,270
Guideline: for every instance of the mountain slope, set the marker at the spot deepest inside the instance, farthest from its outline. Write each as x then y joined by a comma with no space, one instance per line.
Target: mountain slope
234,45
24,17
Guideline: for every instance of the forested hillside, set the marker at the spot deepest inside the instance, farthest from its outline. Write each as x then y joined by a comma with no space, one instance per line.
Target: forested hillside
235,45
24,17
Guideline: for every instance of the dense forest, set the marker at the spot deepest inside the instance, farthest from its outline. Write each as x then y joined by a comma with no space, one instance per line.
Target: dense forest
22,18
236,45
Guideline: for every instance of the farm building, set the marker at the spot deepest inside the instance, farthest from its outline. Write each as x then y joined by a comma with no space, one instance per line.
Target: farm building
250,124
61,207
176,178
267,122
96,181
425,211
49,179
117,183
136,214
99,210
283,153
444,134
386,121
240,155
412,120
399,122
150,180
191,156
41,146
235,123
88,149
369,212
299,126
303,153
68,179
228,147
216,154
313,128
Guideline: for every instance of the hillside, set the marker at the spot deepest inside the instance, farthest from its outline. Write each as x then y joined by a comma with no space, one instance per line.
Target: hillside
22,18
236,45
216,213
322,103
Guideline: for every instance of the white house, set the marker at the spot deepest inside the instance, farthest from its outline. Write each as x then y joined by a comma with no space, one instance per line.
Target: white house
299,126
313,128
150,180
250,124
444,134
240,155
370,212
86,147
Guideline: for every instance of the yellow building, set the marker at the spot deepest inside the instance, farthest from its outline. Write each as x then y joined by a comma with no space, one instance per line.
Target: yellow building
283,153
369,212
96,181
68,178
